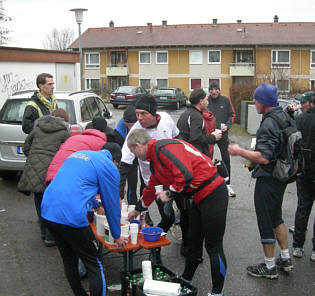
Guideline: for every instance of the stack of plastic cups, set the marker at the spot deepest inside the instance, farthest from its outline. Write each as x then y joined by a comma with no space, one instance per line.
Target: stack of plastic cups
147,270
124,213
134,229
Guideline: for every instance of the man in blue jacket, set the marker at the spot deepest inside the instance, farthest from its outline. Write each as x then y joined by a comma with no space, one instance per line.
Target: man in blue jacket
64,208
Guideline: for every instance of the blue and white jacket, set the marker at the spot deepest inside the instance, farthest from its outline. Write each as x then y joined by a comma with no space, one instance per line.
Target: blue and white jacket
68,197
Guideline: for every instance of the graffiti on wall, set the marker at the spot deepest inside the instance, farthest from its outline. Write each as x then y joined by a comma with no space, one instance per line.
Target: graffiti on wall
11,83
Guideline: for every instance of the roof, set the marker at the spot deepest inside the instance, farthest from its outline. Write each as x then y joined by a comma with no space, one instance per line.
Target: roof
230,34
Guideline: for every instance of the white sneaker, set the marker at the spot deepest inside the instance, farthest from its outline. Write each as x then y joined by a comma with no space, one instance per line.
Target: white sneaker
291,229
313,256
231,191
298,252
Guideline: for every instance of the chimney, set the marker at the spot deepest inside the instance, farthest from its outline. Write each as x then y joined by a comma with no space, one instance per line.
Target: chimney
164,23
111,24
150,26
214,22
275,19
239,21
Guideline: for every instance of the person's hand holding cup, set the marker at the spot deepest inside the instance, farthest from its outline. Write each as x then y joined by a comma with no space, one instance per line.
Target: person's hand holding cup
223,127
217,133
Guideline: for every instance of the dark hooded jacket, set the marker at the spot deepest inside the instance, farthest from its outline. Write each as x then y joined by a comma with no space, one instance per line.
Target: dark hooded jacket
40,147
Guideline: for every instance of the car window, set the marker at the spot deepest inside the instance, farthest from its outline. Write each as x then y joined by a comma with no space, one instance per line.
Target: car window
124,89
68,106
13,110
164,92
85,112
94,107
102,107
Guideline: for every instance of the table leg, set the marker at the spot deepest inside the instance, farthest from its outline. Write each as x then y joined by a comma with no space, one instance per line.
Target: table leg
130,255
154,255
125,261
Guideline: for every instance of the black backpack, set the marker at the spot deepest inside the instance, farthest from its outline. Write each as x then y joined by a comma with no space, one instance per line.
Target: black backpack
289,162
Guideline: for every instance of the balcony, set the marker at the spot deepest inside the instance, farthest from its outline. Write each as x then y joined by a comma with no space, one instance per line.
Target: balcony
242,69
117,70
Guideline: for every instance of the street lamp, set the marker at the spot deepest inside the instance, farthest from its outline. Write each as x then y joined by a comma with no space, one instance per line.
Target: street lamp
79,19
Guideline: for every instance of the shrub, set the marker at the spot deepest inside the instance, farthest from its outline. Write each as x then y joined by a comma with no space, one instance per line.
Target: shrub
238,93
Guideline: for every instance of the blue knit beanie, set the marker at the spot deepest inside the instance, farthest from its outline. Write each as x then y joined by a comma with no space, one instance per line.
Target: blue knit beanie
266,94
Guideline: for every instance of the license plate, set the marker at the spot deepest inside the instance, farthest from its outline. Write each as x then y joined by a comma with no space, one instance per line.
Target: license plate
163,98
120,97
19,150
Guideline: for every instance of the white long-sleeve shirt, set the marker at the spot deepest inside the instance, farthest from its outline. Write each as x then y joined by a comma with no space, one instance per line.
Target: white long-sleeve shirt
166,129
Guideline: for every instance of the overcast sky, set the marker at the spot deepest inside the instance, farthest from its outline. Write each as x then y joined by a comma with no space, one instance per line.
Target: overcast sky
33,19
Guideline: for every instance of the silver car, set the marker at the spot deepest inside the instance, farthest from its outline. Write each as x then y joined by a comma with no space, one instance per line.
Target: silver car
81,106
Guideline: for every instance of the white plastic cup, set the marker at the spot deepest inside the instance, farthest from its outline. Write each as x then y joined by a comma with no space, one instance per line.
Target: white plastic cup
217,130
134,237
147,270
223,125
124,208
158,188
131,208
124,217
134,227
124,228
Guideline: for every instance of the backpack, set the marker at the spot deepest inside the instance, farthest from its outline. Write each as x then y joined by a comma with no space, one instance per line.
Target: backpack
289,163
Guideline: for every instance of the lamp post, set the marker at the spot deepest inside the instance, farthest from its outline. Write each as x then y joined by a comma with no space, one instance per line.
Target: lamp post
79,19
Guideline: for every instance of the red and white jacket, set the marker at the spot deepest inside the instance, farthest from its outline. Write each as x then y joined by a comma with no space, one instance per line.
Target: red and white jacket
182,168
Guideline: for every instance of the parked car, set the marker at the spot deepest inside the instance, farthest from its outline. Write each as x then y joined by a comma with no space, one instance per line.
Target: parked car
170,96
284,103
126,95
81,107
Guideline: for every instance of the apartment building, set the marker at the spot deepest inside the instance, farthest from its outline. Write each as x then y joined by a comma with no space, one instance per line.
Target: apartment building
193,55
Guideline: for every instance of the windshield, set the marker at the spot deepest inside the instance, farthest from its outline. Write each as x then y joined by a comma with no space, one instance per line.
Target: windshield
164,92
125,89
13,110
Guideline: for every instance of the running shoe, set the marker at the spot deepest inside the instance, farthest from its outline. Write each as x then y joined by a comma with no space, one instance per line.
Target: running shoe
313,256
285,265
261,270
298,252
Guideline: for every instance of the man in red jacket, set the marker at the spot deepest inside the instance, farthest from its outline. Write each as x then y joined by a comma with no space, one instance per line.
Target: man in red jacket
183,169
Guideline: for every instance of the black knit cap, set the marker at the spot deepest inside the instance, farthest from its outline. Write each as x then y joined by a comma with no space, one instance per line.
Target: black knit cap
147,103
197,95
114,150
130,114
99,123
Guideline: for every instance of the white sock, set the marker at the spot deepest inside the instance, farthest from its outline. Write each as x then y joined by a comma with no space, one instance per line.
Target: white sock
270,262
285,254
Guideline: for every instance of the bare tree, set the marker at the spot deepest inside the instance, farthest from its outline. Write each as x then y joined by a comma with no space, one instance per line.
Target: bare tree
4,19
59,39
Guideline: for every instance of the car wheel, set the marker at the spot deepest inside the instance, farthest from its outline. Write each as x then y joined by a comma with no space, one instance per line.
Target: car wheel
177,105
115,106
8,175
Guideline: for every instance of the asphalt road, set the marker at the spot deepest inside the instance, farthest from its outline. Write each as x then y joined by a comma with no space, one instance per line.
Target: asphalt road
28,268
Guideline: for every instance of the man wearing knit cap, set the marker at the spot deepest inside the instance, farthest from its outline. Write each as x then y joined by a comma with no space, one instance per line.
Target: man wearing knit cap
224,114
159,126
268,195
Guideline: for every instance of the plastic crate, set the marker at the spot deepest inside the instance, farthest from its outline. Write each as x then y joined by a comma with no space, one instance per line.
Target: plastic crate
137,290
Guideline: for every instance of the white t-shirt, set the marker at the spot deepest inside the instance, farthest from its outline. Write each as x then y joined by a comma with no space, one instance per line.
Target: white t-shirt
166,129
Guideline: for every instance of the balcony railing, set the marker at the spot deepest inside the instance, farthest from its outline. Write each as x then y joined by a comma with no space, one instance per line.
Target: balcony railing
242,69
117,70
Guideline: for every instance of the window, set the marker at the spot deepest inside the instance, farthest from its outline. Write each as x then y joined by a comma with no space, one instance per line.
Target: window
162,83
85,112
283,85
94,107
145,57
312,59
145,83
243,56
195,83
214,56
161,57
118,58
92,60
195,57
280,58
92,84
312,84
